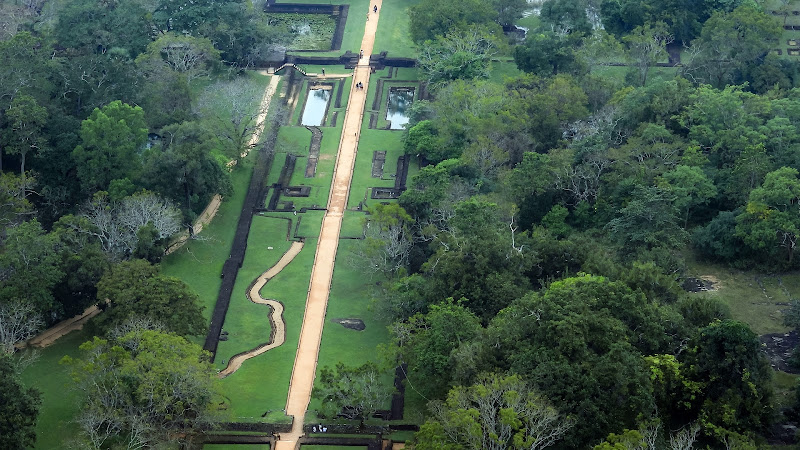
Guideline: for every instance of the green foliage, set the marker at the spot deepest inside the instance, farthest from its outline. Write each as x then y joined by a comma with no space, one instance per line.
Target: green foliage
19,407
545,53
429,343
30,263
145,389
351,392
186,168
771,220
438,17
26,121
500,412
649,220
583,335
735,375
731,42
566,17
111,139
459,55
137,290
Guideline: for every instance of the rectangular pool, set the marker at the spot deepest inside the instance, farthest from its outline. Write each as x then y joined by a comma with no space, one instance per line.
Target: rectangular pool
400,100
316,105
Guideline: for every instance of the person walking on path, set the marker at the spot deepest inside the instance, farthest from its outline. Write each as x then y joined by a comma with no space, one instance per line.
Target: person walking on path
323,71
375,9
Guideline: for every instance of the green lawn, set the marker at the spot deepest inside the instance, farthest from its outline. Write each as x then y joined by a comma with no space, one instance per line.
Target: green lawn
350,299
262,383
393,36
60,403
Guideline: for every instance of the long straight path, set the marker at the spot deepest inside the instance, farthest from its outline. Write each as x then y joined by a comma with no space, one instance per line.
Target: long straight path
305,362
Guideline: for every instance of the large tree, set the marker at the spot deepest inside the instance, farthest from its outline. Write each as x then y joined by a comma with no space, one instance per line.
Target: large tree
438,17
111,139
771,220
352,392
145,389
730,43
496,413
19,407
136,289
26,119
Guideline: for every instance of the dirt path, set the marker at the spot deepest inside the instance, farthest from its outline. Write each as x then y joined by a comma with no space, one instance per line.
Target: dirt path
278,331
305,363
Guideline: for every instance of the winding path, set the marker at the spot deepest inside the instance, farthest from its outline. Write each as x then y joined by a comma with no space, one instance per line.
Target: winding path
305,362
278,333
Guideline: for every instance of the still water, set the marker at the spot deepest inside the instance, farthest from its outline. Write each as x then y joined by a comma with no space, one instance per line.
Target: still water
316,105
399,102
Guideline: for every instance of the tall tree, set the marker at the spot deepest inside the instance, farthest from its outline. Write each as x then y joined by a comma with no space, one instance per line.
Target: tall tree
436,18
352,392
460,54
19,408
771,220
234,123
111,139
136,289
730,43
26,121
646,46
145,389
497,413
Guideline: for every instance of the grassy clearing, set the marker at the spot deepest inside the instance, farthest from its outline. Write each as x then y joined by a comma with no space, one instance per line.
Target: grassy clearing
246,322
754,298
393,36
352,224
354,28
501,70
60,403
370,142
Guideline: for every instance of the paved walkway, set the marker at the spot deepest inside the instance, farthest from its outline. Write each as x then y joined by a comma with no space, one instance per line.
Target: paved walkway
305,363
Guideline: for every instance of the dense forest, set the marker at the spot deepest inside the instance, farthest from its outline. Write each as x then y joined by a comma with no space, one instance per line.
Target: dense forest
531,271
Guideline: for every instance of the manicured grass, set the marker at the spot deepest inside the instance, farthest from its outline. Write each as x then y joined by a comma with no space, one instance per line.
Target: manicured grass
354,28
262,383
60,402
352,224
754,298
531,22
310,224
393,36
371,141
350,298
236,447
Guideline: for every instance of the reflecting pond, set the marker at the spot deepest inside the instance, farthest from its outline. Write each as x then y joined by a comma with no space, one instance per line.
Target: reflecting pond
316,105
399,101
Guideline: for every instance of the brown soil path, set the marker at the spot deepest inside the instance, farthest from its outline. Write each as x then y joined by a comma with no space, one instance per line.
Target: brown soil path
278,332
305,362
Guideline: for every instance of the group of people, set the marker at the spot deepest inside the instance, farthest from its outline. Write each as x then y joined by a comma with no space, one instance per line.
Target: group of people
359,85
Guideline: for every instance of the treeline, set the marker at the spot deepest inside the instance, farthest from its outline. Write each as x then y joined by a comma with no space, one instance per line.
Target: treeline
531,269
119,120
